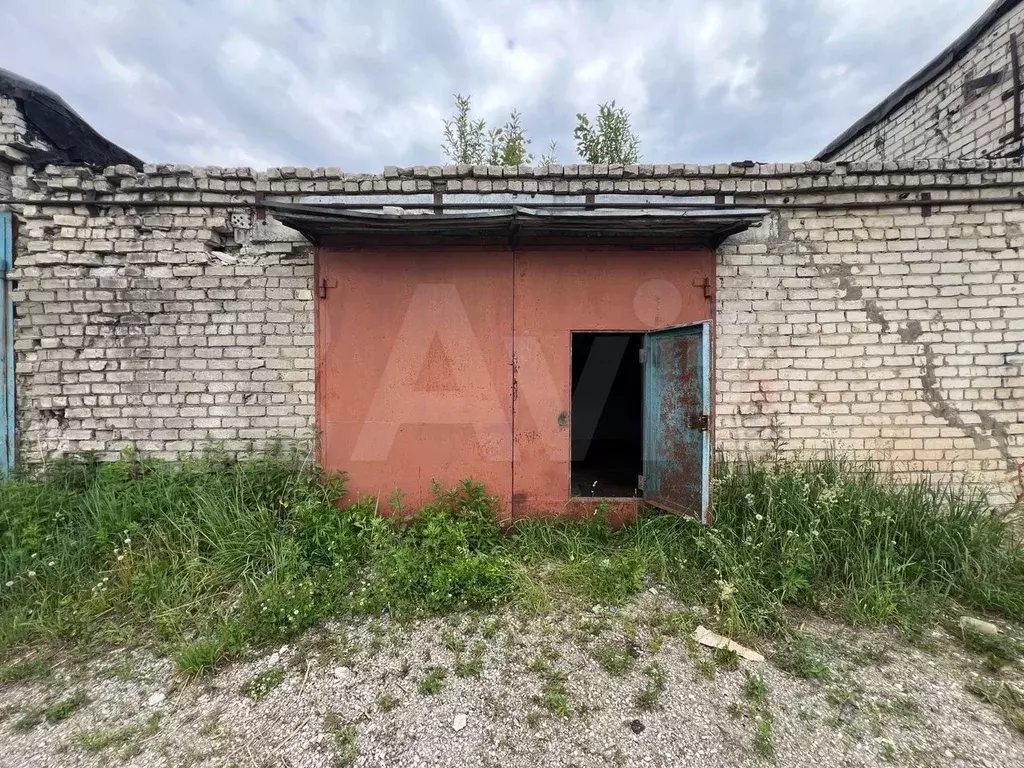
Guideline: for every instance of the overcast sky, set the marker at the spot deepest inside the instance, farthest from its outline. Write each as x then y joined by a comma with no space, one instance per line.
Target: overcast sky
365,83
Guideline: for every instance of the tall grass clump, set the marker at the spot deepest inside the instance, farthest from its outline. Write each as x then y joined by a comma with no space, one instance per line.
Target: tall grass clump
831,533
212,554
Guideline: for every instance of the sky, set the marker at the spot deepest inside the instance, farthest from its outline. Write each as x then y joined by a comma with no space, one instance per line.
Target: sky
360,84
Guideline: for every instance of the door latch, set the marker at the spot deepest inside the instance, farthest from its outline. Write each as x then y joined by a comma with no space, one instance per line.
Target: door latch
699,421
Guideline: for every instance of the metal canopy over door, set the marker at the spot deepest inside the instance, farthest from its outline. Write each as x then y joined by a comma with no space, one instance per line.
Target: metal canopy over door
677,412
6,346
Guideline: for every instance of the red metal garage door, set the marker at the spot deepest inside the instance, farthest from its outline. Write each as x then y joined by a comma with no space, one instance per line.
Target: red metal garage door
414,374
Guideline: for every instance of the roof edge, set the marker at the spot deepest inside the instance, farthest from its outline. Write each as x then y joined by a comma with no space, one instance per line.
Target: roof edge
73,139
921,78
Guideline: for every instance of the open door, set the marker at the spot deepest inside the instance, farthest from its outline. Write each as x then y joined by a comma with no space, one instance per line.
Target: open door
677,415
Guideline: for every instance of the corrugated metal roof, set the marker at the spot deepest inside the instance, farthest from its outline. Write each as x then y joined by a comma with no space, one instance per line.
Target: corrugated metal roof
519,225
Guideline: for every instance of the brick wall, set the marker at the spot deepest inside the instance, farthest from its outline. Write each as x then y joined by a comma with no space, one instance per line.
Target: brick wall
942,120
880,331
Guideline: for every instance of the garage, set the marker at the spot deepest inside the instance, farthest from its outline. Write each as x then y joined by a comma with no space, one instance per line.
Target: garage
561,355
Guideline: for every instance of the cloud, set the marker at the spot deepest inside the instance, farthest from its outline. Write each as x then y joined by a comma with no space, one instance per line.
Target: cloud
361,84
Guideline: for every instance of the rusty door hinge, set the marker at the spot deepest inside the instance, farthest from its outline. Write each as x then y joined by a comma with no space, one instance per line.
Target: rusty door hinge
699,421
325,284
709,288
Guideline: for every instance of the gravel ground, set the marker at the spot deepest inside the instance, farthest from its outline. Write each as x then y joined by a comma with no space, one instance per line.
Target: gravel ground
350,694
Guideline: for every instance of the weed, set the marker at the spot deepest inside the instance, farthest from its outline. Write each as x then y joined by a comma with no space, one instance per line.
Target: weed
1007,698
97,740
64,708
706,668
201,657
432,682
764,736
386,702
889,753
22,670
152,724
211,724
30,719
755,689
901,706
259,686
474,665
556,696
727,659
868,654
345,743
346,750
491,627
215,554
804,657
648,698
452,641
998,650
614,658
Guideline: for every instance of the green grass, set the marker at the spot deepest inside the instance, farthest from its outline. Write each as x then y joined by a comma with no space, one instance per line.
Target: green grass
804,657
97,740
22,670
755,689
387,702
432,682
648,698
214,555
614,658
64,708
259,686
1004,696
472,666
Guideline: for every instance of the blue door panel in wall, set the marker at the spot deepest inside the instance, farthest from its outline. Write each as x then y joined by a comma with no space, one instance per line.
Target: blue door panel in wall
677,412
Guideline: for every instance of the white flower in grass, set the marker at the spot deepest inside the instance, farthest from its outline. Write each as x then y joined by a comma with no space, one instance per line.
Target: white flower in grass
31,574
10,583
759,517
120,558
52,563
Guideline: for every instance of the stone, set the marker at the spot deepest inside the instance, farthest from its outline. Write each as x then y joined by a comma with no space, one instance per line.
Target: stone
706,637
343,673
460,721
979,626
156,699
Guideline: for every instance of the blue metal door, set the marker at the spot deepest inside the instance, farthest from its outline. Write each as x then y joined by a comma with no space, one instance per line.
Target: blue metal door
6,346
677,414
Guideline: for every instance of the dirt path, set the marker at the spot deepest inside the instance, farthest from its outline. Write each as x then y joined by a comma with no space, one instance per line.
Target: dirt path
589,688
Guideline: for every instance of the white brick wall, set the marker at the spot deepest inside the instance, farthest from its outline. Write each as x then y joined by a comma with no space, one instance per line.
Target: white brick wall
939,121
879,331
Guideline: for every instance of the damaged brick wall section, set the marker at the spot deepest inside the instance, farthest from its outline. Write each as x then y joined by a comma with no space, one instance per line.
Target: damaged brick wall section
157,328
882,332
964,113
879,331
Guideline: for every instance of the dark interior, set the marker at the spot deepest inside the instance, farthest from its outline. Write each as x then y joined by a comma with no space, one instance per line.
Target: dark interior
607,402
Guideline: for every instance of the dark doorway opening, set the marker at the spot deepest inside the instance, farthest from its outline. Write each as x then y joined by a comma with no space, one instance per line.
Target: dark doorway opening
606,428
